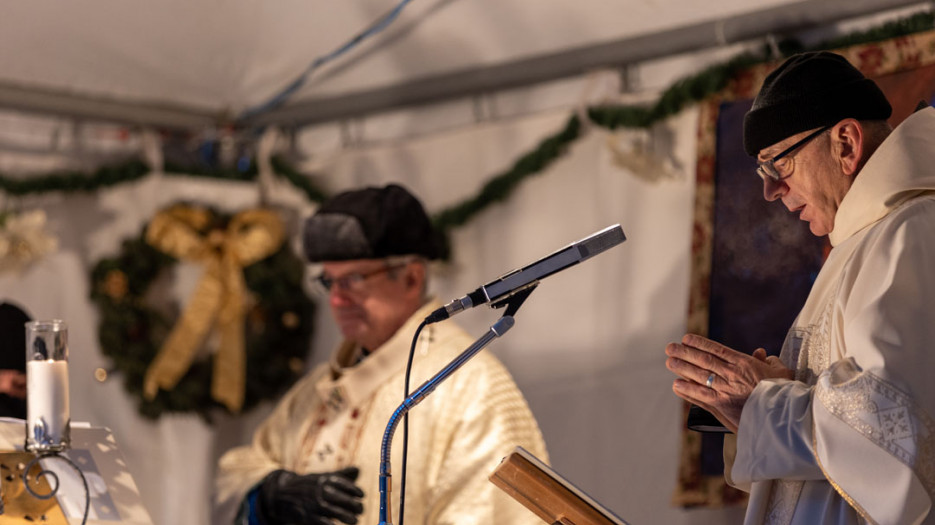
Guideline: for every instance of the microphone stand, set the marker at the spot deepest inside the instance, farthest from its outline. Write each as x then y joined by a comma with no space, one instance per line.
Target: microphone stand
499,328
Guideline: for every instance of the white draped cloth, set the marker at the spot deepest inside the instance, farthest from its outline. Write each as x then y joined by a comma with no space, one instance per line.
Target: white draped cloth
852,438
336,417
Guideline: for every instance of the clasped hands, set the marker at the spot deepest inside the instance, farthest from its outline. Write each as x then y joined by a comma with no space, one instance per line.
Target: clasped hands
717,378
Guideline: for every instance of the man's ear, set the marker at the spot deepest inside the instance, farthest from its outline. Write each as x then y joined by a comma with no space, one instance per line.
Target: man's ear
847,145
414,276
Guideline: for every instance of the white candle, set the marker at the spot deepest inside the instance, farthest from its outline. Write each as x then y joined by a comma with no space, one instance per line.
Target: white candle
47,400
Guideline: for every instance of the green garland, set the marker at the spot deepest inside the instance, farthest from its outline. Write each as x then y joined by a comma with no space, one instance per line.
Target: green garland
674,99
681,94
715,78
107,176
916,23
499,188
299,180
72,181
132,328
280,166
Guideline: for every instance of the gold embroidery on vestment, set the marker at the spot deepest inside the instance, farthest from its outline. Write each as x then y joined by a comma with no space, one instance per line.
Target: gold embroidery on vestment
884,414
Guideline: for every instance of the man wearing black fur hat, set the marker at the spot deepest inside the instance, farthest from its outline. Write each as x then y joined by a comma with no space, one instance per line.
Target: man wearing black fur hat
841,427
317,457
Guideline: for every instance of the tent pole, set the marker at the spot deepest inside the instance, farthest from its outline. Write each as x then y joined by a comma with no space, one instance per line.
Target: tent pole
784,19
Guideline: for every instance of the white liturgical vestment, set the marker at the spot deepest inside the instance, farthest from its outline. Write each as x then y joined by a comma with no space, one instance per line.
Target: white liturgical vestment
336,417
852,438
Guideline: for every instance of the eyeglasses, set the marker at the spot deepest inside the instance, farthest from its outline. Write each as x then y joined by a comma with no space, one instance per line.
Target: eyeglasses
768,168
353,282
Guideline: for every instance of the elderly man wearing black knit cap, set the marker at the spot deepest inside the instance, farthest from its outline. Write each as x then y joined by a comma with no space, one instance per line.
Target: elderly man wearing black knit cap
316,459
840,428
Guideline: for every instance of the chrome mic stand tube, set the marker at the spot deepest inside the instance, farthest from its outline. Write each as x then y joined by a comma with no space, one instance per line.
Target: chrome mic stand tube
496,330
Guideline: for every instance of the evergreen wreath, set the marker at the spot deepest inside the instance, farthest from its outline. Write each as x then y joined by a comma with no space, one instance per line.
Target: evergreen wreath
132,328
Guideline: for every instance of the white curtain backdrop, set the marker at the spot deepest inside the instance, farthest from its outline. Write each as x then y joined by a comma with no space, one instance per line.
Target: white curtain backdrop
587,348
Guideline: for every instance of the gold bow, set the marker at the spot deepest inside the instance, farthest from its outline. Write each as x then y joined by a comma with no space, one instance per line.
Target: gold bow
218,298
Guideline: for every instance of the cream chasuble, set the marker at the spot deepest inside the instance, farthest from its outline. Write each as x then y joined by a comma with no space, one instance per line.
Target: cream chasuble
852,439
336,417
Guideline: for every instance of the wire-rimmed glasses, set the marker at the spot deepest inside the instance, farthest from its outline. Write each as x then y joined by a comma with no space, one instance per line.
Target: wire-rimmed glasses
352,282
768,169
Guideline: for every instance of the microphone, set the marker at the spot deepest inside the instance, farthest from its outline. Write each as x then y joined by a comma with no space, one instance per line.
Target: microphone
529,275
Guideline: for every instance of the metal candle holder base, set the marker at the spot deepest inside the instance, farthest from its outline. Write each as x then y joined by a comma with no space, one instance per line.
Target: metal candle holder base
40,442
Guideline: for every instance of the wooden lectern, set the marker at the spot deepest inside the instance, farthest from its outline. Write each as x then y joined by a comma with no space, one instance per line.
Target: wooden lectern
543,491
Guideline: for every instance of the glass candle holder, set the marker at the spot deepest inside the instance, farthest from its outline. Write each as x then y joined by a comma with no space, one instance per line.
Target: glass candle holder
48,414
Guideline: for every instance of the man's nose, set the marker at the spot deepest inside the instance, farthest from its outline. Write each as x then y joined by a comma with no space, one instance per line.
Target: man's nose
772,189
337,296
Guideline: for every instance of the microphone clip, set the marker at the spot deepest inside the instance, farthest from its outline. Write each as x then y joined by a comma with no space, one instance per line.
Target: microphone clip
516,299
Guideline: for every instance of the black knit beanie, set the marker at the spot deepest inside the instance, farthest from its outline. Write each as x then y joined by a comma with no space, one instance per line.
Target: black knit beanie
371,223
808,91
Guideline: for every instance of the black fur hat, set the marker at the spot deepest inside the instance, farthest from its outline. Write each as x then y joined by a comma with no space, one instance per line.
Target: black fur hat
370,223
808,91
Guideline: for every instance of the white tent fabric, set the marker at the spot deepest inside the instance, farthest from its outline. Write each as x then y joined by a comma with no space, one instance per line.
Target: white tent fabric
226,55
587,349
202,64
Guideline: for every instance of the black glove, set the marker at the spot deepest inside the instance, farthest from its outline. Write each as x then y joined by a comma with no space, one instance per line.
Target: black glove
286,498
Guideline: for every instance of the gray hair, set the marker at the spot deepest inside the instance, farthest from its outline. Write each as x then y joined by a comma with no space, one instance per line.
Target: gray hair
402,260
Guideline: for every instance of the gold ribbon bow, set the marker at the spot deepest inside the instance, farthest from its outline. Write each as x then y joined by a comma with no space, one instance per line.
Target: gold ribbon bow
219,297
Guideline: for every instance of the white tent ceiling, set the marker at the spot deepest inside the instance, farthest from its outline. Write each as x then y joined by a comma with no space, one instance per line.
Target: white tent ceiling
216,58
